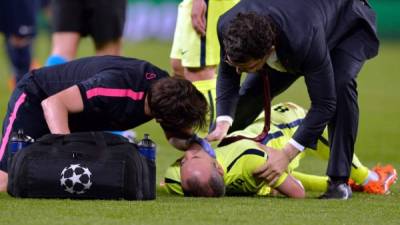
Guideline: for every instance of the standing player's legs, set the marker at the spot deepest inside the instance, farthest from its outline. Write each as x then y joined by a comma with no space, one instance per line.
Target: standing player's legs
194,51
106,25
68,23
177,44
177,68
66,36
251,96
65,45
343,127
19,50
19,18
195,57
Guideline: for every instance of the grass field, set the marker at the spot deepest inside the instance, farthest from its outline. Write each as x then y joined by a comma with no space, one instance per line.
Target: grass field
378,142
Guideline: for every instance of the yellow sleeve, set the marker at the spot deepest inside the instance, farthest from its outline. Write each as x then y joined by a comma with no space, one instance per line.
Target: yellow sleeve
172,180
280,181
252,184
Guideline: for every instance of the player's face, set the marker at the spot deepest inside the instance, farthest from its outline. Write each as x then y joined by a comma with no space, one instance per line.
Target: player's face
196,162
251,66
196,157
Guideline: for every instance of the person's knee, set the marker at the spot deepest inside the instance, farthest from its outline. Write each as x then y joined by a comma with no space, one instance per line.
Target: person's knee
19,52
177,68
346,88
3,181
198,74
19,42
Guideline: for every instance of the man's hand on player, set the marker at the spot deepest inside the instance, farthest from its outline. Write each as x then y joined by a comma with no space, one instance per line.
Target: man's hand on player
277,163
199,8
219,132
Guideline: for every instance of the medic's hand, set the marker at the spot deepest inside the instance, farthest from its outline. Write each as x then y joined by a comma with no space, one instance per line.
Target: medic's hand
219,132
277,163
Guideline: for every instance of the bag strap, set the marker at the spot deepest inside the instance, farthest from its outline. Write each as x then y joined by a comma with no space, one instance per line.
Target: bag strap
59,140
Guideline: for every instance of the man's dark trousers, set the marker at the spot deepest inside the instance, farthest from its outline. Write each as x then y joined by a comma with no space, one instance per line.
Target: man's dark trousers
342,127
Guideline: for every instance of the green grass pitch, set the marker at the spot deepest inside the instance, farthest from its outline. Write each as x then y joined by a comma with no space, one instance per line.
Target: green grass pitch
378,142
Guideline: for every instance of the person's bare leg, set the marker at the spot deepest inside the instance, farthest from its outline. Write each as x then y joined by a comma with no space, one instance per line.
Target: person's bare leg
3,181
109,48
65,44
177,68
197,74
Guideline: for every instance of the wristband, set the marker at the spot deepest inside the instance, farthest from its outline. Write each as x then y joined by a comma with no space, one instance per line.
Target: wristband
297,145
227,119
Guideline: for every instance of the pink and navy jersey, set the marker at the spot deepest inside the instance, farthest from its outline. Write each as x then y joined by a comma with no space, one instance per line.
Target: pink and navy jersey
113,90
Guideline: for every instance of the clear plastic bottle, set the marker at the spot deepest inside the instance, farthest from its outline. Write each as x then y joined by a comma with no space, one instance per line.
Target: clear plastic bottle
147,148
19,141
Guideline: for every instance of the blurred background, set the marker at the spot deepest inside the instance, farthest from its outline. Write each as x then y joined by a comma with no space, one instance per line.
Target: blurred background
148,33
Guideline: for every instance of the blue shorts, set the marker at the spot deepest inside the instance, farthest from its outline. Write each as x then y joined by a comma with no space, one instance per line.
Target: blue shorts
18,17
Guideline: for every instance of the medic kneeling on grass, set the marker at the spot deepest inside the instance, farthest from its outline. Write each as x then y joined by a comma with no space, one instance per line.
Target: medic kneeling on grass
97,94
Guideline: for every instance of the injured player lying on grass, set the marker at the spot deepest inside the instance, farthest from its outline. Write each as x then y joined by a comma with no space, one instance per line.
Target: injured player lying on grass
230,170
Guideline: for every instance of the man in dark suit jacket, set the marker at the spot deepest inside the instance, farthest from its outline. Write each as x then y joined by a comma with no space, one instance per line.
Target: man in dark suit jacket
325,41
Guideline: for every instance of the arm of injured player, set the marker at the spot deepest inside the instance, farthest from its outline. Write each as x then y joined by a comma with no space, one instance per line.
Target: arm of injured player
285,183
290,186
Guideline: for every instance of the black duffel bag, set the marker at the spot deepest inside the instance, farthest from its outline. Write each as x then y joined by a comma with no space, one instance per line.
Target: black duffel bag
87,165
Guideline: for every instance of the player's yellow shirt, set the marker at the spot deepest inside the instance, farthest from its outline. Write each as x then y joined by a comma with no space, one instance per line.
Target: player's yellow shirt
241,158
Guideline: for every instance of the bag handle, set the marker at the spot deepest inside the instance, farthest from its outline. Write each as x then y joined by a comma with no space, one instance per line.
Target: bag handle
57,141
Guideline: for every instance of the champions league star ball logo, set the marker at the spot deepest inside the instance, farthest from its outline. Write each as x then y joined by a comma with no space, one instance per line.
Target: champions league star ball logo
75,179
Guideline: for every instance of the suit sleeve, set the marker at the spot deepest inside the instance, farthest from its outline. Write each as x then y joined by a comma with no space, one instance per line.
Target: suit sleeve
228,83
319,79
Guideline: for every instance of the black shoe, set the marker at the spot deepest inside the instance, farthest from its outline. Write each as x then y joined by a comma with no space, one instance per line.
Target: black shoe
337,191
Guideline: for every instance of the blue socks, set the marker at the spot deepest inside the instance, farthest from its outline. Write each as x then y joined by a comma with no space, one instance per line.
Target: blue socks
20,58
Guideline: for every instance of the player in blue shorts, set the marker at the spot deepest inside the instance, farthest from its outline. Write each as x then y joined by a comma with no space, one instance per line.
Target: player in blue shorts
18,24
100,93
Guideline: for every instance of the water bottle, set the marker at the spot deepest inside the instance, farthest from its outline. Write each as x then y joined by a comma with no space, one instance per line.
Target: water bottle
18,141
147,148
